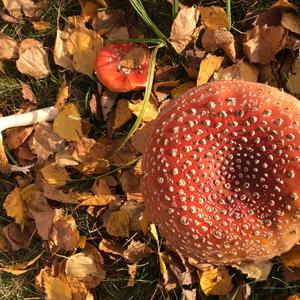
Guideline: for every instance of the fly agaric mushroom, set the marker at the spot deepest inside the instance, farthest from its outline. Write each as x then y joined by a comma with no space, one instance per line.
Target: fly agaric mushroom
29,118
123,66
222,172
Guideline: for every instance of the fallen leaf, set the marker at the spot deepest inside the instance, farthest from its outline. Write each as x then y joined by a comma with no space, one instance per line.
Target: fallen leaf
219,39
239,71
62,95
291,22
284,4
67,124
28,7
184,27
134,210
84,61
144,223
261,44
117,224
60,54
130,182
269,76
4,245
107,100
55,175
8,47
214,17
176,91
258,271
292,257
89,10
33,60
56,288
134,58
140,137
208,66
136,251
41,25
14,206
150,113
27,92
132,273
15,137
162,89
188,294
216,281
123,114
293,77
45,141
109,246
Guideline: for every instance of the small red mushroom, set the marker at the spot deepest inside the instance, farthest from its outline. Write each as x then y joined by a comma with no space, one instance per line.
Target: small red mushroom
123,66
222,172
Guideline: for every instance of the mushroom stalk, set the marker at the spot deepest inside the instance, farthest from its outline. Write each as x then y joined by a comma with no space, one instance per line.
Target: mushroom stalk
29,118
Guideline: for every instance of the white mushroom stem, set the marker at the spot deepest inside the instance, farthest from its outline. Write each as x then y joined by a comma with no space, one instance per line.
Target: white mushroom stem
29,118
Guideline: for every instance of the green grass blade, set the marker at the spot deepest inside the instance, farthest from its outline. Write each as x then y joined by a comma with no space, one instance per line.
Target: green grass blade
147,41
175,8
228,11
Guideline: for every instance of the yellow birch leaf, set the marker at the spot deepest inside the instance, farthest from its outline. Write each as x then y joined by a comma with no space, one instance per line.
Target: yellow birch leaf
150,113
118,224
154,233
67,124
57,288
14,206
214,17
55,175
41,25
162,262
176,91
62,95
216,281
208,66
81,242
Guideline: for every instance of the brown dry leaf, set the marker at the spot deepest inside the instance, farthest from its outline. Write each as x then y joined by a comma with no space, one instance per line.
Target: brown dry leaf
8,47
208,66
89,10
292,257
134,210
56,288
107,100
261,44
41,25
89,199
214,17
239,71
2,71
117,224
150,113
33,60
258,271
86,266
4,245
62,95
134,58
293,297
294,77
15,137
130,182
176,91
55,175
140,137
45,141
188,294
28,7
285,4
291,22
64,232
216,281
27,92
67,124
219,39
184,28
132,272
136,251
162,89
109,246
14,206
144,223
21,268
100,187
61,56
123,114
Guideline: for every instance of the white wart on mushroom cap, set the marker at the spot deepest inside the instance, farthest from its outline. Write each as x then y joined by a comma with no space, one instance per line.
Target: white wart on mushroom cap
222,172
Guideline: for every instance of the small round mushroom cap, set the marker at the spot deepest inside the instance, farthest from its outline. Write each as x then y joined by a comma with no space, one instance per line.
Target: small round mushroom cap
123,66
222,172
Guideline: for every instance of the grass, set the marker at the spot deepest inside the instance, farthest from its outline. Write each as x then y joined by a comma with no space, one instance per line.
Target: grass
156,16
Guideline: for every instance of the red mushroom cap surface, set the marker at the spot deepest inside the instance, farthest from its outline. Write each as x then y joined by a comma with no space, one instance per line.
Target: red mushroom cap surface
123,66
222,174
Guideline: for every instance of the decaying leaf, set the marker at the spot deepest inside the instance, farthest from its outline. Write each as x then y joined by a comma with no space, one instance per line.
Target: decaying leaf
184,27
216,281
55,175
208,66
294,77
239,71
214,17
136,251
33,60
219,39
67,124
261,44
8,47
117,224
258,271
14,206
86,266
291,22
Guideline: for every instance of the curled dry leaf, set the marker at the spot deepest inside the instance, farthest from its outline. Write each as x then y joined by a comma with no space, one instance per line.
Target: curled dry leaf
67,124
261,44
294,77
86,266
216,281
33,60
184,28
8,47
208,66
291,22
214,17
258,271
239,71
219,39
55,175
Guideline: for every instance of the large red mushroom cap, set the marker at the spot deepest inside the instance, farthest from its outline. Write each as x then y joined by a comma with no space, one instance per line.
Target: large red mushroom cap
123,66
222,173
